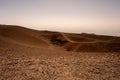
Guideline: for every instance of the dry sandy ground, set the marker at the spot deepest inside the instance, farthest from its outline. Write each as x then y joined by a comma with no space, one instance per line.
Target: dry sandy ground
27,54
72,66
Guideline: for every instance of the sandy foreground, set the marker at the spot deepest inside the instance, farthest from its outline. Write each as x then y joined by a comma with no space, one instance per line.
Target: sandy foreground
77,66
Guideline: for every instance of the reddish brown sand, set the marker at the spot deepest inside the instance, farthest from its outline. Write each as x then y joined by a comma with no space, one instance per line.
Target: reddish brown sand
27,54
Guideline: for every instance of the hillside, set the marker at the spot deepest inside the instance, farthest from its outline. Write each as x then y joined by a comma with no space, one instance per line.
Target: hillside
28,38
27,54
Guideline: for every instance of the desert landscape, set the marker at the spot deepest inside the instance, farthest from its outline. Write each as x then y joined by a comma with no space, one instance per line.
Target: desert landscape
27,54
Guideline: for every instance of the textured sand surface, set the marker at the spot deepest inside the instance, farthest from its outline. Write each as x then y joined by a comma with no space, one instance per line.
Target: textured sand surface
82,66
27,54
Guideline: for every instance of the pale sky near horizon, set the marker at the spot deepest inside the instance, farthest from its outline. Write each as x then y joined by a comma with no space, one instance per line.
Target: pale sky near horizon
76,16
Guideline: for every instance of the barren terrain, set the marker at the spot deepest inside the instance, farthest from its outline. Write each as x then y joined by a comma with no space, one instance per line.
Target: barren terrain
27,54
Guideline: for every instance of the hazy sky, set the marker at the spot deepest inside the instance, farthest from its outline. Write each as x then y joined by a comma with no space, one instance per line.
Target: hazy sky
94,16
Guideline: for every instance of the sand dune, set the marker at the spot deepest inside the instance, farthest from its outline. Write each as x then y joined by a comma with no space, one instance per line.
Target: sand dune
27,54
20,37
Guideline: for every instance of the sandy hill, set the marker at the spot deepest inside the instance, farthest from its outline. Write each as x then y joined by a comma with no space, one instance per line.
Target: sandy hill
27,54
16,37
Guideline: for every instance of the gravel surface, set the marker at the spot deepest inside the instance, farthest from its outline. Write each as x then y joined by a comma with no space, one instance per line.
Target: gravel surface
82,66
